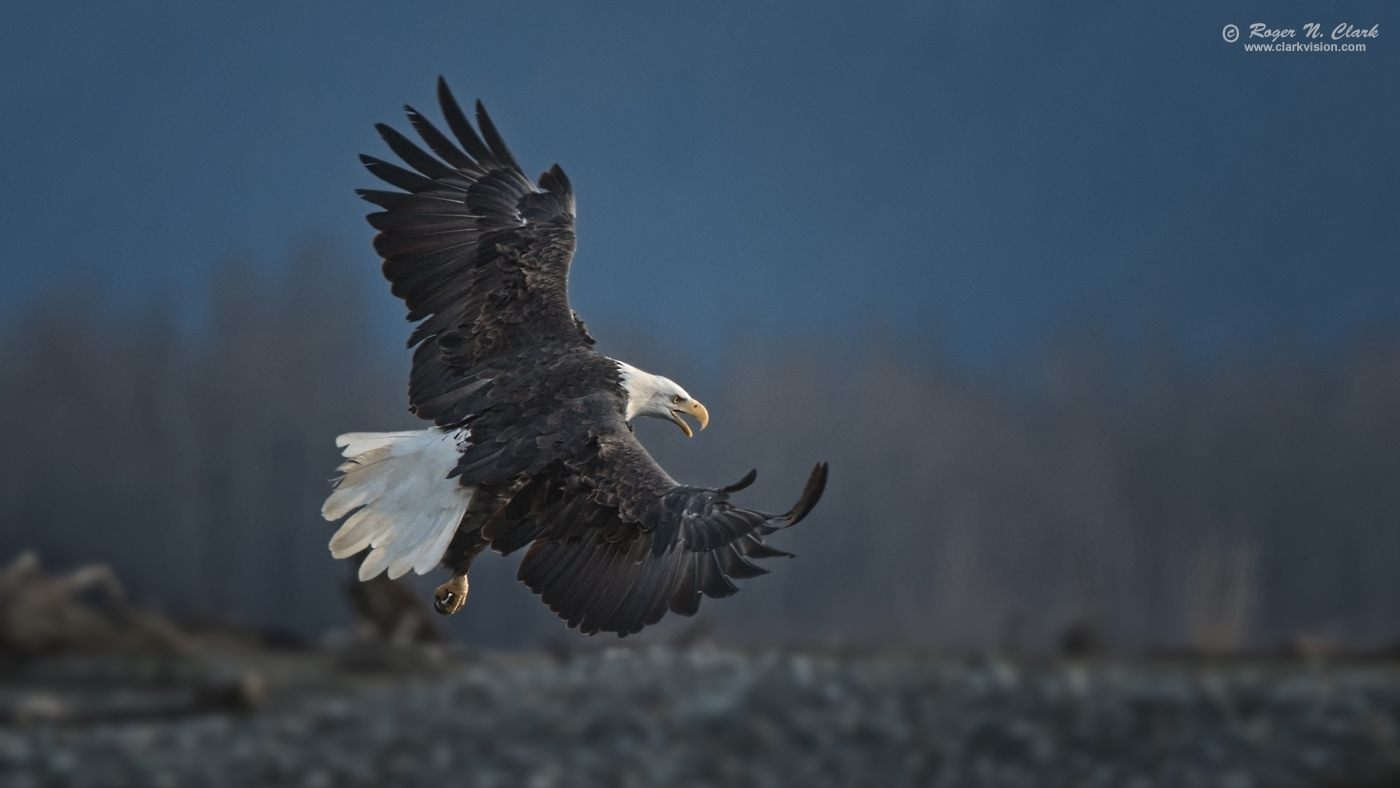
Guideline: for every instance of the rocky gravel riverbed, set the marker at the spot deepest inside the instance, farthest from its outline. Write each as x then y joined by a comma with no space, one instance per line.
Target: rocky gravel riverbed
682,717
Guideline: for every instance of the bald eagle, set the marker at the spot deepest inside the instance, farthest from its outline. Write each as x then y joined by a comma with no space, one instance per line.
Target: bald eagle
531,443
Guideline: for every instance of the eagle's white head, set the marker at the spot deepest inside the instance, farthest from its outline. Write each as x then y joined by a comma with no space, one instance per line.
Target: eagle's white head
658,397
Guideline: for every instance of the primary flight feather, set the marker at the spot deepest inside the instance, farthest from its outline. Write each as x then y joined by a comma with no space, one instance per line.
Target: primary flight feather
532,444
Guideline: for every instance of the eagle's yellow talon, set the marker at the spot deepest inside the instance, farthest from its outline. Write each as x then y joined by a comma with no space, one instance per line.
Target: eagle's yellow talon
450,596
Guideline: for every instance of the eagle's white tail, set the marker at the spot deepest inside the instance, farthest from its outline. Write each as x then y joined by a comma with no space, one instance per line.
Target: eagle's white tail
408,508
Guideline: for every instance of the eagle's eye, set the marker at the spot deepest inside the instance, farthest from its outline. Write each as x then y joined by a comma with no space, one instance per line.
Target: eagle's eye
677,399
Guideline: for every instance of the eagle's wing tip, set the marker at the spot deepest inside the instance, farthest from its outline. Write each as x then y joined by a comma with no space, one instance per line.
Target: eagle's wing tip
742,484
811,494
554,180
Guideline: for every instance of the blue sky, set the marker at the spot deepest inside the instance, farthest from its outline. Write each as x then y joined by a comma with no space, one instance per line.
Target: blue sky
973,176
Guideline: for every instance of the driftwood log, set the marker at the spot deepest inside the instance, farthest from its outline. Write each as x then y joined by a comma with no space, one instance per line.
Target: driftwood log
44,613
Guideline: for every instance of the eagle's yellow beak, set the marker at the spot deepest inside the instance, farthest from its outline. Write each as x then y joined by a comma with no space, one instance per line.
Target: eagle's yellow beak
692,408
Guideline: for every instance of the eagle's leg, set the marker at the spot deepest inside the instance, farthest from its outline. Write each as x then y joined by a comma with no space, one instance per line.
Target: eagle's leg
450,596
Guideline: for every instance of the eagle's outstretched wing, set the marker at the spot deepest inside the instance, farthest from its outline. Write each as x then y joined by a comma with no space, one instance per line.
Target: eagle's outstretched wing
478,253
615,542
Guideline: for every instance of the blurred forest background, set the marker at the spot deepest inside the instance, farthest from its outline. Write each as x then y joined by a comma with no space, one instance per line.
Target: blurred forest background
1092,312
1166,501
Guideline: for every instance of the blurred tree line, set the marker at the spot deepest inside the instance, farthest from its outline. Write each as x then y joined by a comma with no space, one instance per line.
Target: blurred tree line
1159,500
